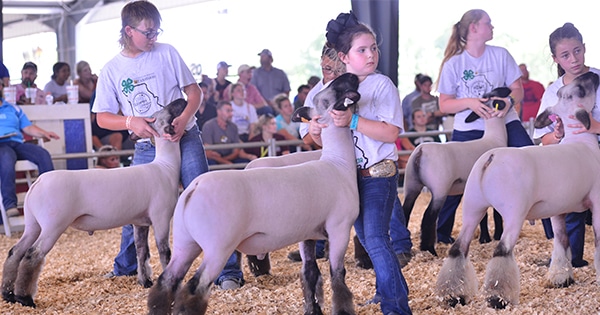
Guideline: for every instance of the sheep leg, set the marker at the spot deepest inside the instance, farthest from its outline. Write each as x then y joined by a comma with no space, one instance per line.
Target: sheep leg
457,281
259,267
162,294
596,227
498,225
341,300
560,273
11,265
161,236
311,279
411,193
484,233
429,224
361,256
144,271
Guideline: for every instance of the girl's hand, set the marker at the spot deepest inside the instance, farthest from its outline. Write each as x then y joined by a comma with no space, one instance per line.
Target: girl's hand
496,112
341,118
479,108
140,126
314,128
559,130
594,126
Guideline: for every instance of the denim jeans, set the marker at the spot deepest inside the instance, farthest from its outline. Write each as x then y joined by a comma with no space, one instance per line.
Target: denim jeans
398,230
517,137
377,198
193,164
575,223
10,152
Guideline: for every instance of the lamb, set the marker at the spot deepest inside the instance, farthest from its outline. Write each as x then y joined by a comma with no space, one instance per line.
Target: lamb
443,168
98,199
255,212
521,184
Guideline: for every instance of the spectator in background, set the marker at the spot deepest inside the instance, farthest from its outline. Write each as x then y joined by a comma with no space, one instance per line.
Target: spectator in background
253,96
301,96
428,103
86,81
269,80
285,126
244,115
28,76
4,75
207,110
221,130
111,161
61,71
313,80
221,82
266,130
407,103
100,135
532,97
419,118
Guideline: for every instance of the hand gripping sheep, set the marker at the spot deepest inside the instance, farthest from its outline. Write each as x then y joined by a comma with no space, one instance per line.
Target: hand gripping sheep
443,168
518,183
255,212
98,199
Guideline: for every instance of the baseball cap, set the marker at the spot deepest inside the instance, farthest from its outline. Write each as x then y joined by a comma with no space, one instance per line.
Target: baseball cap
29,64
222,64
265,51
243,68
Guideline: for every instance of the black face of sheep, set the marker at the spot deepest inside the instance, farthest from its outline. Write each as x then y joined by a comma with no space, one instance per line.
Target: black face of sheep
175,109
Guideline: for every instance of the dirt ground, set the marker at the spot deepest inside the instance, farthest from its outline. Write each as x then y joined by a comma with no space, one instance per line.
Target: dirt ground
72,282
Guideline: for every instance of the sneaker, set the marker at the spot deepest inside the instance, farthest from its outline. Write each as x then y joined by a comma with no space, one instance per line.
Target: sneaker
446,240
229,284
110,275
578,263
404,258
12,212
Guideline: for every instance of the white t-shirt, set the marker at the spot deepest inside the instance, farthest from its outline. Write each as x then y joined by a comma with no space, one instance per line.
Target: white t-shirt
379,101
465,76
550,98
143,85
243,116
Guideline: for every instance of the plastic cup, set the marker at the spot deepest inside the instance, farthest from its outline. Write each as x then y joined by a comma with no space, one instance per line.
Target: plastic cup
10,94
30,94
73,94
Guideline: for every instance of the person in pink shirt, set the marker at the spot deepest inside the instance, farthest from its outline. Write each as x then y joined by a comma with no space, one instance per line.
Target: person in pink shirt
253,96
28,76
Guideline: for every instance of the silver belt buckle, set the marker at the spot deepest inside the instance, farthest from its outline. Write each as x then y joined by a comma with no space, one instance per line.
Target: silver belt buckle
385,168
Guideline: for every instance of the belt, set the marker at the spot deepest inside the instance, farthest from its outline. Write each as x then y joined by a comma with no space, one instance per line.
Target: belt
385,168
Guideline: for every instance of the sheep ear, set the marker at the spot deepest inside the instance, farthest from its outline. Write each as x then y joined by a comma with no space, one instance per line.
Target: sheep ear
583,117
543,119
302,114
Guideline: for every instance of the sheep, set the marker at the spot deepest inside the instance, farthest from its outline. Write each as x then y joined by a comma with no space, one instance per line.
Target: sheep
444,167
255,212
98,199
525,184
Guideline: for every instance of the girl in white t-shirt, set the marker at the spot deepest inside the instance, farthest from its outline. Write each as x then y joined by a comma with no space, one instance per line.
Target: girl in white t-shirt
244,114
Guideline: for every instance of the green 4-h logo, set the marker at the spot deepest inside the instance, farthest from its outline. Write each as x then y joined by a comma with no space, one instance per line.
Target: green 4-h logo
468,75
127,86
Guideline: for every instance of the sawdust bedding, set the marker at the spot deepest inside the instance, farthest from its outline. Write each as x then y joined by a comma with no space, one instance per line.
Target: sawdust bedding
72,283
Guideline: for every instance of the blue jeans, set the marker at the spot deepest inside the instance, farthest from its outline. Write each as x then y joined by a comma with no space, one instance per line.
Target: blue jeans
10,152
575,223
517,137
377,198
398,230
193,164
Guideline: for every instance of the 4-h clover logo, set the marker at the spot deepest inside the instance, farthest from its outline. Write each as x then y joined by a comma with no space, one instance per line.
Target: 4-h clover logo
468,75
127,86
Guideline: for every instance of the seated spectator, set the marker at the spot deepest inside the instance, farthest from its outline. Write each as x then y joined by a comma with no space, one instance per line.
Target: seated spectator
28,76
4,75
419,119
221,83
313,80
221,130
100,135
266,129
207,110
253,96
13,123
285,126
244,115
428,103
111,161
301,96
86,81
57,86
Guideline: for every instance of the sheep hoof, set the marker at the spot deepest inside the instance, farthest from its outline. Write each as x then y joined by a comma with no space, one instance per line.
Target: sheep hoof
429,248
9,297
563,284
496,302
484,238
453,301
25,300
147,283
364,262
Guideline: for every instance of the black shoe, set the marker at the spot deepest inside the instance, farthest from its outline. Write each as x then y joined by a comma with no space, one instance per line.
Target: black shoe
295,256
446,240
578,263
364,262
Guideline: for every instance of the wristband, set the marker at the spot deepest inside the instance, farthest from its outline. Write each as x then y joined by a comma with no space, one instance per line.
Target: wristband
354,122
128,122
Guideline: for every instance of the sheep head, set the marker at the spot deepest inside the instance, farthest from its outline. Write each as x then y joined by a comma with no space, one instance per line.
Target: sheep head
576,98
340,94
497,104
164,118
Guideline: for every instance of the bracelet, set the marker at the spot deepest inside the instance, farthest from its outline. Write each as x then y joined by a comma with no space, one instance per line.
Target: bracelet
128,122
354,122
